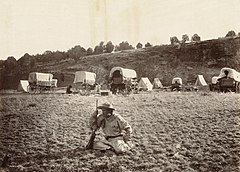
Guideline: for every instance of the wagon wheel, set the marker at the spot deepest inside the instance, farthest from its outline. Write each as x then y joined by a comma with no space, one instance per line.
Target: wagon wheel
136,90
29,89
122,91
113,89
52,89
88,89
37,89
48,89
237,87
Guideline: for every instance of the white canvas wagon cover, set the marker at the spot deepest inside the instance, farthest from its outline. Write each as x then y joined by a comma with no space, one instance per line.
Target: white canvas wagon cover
39,77
215,79
85,77
126,73
232,73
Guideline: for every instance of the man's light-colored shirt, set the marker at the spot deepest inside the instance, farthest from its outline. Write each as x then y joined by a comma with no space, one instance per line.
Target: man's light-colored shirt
111,126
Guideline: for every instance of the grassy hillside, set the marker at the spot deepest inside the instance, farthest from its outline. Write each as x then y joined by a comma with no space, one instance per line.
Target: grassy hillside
172,131
164,62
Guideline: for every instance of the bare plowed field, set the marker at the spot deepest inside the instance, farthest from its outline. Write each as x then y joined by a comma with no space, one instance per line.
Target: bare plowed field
171,132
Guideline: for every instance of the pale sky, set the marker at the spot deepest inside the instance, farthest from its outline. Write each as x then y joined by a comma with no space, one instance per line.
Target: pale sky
34,26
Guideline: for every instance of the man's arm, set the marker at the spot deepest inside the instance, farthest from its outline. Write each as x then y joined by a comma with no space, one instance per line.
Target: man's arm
95,120
124,125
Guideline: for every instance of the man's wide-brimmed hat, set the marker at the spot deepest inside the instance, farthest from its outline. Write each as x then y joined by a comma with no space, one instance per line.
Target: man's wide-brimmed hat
106,106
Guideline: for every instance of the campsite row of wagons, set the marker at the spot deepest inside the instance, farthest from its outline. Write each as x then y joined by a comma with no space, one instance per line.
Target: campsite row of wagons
120,79
125,80
227,81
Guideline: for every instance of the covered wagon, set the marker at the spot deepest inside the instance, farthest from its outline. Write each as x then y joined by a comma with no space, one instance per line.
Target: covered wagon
85,80
41,82
229,80
214,86
122,79
176,84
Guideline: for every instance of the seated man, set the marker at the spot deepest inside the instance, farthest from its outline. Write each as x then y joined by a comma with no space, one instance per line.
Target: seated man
117,131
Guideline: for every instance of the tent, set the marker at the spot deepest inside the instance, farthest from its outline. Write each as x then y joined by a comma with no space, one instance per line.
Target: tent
145,84
178,80
200,81
157,83
231,74
23,86
85,77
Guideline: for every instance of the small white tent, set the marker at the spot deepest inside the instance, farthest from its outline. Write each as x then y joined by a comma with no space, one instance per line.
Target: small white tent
23,86
145,84
200,81
157,83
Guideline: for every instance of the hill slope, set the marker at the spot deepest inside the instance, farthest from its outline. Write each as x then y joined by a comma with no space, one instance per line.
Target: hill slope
164,62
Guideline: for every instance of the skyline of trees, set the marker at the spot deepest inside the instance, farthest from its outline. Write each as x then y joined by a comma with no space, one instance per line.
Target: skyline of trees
79,51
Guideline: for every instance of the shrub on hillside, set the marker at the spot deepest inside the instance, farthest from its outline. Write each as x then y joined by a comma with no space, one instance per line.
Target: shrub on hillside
195,38
174,40
89,51
185,38
10,63
99,48
109,47
123,46
139,45
77,52
148,45
231,33
25,61
1,63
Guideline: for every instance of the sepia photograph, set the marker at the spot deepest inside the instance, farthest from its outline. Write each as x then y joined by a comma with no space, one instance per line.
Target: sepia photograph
119,86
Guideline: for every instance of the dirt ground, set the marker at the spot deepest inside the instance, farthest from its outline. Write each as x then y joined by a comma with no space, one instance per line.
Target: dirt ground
172,131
